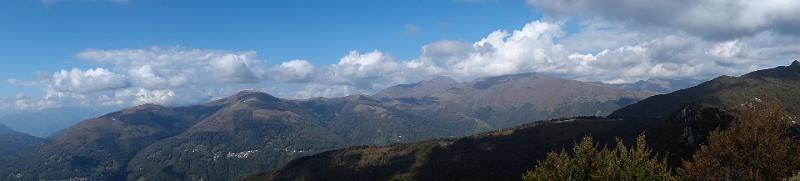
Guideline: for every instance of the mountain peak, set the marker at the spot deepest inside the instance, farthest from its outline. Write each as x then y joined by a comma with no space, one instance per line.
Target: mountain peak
782,72
486,82
140,108
250,94
419,89
147,106
439,82
442,79
513,76
243,96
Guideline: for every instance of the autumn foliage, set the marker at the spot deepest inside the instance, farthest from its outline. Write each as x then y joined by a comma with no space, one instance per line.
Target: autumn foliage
758,146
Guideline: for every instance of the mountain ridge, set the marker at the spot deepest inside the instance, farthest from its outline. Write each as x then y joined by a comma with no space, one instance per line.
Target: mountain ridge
675,124
777,84
250,131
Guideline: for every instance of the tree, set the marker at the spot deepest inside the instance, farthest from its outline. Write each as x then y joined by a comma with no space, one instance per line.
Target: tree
757,146
587,162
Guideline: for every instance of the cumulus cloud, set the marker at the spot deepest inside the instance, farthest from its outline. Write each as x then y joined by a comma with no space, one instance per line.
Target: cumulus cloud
156,75
728,49
296,71
617,41
369,70
176,67
23,102
89,81
326,90
710,19
602,52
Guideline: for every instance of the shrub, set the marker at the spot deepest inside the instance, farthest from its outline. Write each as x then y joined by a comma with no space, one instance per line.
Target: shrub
587,162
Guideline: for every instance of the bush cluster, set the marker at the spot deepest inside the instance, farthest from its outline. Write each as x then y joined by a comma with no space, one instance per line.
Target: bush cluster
759,145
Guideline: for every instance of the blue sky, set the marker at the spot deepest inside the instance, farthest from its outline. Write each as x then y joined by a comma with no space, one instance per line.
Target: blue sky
57,53
44,37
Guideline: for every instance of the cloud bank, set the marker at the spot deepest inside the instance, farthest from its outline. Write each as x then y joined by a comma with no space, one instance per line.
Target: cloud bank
713,19
617,41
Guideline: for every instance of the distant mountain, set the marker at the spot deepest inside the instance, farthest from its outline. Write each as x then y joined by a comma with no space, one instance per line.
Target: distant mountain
675,124
13,142
250,132
254,131
100,148
42,123
511,100
661,86
778,84
421,89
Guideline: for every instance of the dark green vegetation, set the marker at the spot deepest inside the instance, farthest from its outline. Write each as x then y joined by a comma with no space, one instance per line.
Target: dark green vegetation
13,142
675,124
587,161
250,132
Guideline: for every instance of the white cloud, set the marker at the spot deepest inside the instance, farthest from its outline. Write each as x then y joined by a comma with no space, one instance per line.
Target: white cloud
313,90
603,51
617,41
501,52
370,70
176,67
24,102
141,96
297,71
728,49
153,75
89,81
145,76
712,19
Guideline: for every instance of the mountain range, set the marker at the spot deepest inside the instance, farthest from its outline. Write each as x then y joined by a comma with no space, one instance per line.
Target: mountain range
250,132
655,85
675,124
